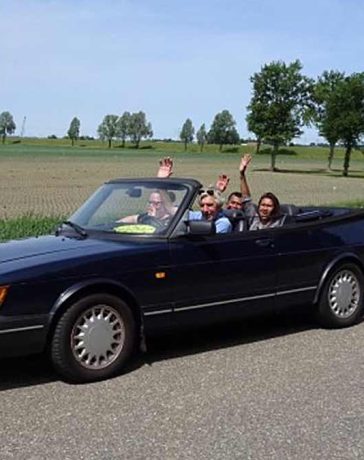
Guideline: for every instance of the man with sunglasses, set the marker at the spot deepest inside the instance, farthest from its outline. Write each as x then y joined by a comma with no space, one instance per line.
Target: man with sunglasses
211,202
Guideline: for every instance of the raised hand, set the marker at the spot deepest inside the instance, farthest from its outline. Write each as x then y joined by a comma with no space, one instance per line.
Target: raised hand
222,183
244,162
165,167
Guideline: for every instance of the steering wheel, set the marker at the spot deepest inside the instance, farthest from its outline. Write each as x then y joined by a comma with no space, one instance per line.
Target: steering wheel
146,219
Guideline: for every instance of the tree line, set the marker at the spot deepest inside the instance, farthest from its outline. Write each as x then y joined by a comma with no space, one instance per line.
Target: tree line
223,131
133,126
283,102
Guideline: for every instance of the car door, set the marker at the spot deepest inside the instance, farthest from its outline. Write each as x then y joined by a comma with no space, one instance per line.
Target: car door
303,252
220,275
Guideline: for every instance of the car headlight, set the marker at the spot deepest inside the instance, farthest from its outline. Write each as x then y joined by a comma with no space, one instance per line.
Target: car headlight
3,293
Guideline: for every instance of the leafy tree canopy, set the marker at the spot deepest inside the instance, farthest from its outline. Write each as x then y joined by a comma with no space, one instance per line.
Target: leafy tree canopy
345,112
280,102
201,136
74,130
108,129
323,91
223,130
7,125
124,127
139,128
187,132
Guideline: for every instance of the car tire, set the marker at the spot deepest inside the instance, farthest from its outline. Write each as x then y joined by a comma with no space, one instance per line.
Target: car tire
341,300
93,339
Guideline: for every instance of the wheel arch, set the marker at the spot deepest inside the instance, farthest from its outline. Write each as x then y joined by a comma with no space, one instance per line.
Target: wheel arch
339,260
85,288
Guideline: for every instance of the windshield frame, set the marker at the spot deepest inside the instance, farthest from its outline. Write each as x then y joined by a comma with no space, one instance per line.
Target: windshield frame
190,185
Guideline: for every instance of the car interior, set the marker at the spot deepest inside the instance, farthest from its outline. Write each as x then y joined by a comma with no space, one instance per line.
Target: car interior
291,214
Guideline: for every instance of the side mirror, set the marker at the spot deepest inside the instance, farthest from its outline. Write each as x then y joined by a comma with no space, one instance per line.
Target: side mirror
201,228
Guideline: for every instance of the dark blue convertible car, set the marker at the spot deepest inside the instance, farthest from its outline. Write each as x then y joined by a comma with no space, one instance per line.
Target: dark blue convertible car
115,271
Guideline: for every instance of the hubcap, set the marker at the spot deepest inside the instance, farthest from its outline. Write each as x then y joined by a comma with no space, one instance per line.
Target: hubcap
344,294
98,337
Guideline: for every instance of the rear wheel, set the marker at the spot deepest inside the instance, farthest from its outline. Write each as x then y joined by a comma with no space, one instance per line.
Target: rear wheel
93,338
341,301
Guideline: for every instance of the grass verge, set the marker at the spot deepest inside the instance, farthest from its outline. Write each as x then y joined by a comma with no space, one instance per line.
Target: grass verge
350,204
17,147
25,226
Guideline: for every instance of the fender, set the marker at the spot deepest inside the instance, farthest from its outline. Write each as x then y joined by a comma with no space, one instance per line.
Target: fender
103,283
347,257
65,296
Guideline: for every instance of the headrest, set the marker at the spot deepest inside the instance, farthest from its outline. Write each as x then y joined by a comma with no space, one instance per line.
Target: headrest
289,209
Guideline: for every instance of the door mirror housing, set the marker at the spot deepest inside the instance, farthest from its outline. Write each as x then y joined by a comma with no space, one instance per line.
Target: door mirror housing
201,227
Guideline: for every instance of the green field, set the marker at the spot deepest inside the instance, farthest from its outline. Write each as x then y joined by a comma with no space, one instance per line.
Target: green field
43,146
43,179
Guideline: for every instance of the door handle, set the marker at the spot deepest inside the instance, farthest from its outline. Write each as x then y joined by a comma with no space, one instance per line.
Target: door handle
264,242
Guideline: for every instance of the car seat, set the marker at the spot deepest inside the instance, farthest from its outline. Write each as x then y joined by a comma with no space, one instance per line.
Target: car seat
237,218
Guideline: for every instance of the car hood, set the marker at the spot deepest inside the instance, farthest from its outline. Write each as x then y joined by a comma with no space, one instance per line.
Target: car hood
63,257
40,246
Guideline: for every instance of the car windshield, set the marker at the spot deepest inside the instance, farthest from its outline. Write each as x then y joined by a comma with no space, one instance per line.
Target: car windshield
131,207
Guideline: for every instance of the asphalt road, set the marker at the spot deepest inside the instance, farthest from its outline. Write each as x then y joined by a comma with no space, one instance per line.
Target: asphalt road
274,388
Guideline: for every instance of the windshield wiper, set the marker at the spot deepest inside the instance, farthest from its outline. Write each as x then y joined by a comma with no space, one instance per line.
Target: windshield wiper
75,227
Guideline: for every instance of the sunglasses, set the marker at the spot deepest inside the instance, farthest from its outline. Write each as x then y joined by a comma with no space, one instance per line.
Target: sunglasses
156,203
209,191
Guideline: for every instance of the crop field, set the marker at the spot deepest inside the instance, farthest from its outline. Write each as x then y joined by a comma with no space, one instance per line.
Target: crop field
47,180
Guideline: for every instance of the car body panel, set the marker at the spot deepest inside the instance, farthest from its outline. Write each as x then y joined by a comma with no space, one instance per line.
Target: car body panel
130,264
221,274
306,251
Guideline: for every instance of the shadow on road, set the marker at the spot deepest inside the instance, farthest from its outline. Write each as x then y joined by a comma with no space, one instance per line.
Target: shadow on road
25,371
37,370
244,331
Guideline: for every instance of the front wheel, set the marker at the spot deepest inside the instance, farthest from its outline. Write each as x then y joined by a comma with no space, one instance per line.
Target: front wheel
93,338
341,301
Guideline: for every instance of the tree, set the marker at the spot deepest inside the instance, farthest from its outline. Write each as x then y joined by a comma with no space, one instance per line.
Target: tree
7,125
139,128
223,130
345,111
74,130
187,133
278,108
108,128
124,127
201,136
323,90
255,120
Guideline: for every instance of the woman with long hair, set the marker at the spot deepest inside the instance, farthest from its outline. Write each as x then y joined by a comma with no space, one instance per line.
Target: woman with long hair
268,213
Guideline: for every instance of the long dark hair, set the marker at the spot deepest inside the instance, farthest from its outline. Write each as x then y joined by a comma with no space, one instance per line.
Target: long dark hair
276,206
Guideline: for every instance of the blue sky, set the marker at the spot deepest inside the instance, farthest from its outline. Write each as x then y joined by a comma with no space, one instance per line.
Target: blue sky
172,59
